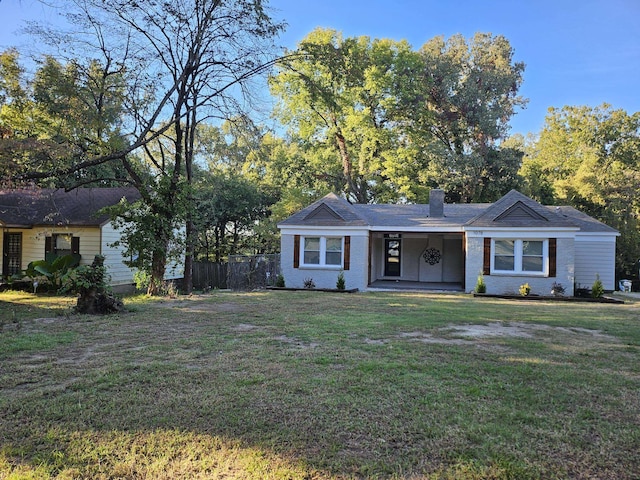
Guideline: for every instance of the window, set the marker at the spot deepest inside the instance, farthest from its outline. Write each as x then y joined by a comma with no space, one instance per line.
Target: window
520,256
60,244
322,251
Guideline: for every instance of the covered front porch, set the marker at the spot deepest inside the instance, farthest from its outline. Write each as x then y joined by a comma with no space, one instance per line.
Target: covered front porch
416,260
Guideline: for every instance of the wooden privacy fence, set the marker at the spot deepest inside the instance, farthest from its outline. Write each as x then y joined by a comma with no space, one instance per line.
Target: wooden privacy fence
251,272
208,275
240,273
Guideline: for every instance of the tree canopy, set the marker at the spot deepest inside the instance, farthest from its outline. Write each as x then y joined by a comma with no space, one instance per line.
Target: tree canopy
383,122
589,157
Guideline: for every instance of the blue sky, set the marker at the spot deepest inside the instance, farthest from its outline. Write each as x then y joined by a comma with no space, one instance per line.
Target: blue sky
577,52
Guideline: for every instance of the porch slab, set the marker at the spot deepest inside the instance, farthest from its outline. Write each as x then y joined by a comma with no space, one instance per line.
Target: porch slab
422,286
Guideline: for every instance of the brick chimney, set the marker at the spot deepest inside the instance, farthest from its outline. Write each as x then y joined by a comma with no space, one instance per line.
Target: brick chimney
436,203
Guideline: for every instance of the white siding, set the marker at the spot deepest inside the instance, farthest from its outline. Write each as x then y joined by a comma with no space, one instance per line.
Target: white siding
595,256
120,274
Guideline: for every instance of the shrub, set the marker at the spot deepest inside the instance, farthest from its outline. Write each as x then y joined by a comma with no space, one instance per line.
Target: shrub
91,283
525,290
280,281
142,280
597,289
340,283
309,283
481,287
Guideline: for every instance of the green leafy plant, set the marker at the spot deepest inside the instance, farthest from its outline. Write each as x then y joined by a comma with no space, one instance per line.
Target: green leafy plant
142,279
90,282
341,283
481,287
280,281
86,278
525,290
51,271
597,289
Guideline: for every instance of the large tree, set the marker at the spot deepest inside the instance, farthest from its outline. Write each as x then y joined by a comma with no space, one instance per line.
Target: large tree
63,115
399,121
589,157
185,62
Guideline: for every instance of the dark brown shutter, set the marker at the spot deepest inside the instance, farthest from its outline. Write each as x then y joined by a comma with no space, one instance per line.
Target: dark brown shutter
75,245
347,252
552,256
486,263
48,245
296,251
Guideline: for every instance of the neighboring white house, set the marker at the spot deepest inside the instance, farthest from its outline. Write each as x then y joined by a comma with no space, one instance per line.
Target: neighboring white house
513,241
38,223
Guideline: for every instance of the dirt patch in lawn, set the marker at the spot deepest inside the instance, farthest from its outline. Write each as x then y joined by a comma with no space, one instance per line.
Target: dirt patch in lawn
480,335
200,306
520,330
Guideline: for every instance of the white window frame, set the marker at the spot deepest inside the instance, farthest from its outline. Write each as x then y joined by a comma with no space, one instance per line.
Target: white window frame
518,257
323,252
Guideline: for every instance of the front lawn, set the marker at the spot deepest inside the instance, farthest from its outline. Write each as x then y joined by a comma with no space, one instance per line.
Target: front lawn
310,385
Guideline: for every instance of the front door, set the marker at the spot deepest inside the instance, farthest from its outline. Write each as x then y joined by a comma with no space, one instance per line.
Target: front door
12,254
391,257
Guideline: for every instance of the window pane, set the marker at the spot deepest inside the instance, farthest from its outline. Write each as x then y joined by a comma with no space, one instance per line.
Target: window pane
63,242
532,264
312,243
312,258
532,248
504,247
503,262
334,244
334,258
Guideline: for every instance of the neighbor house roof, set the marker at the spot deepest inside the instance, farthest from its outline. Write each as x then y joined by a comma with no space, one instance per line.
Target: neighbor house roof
514,210
26,208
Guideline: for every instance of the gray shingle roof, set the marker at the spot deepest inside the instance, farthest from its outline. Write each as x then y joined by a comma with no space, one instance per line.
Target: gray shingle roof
527,213
25,208
346,214
513,210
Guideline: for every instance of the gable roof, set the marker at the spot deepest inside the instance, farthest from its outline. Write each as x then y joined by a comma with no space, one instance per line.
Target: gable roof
26,208
514,210
519,211
329,211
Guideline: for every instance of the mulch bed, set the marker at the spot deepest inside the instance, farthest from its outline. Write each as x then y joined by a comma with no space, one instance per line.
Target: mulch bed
552,298
332,290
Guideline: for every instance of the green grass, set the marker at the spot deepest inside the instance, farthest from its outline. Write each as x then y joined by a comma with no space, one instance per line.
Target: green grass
308,385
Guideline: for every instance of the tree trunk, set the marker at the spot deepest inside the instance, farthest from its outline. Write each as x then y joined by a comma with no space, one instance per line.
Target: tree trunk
347,170
158,267
187,284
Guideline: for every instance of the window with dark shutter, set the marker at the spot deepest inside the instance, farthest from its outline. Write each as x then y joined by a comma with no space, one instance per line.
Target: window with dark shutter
552,257
347,252
75,245
296,251
486,263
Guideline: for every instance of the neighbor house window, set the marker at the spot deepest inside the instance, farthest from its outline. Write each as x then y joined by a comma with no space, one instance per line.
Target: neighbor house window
60,244
519,256
322,251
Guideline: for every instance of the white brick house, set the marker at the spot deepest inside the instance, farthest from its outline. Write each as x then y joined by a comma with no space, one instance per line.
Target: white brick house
513,241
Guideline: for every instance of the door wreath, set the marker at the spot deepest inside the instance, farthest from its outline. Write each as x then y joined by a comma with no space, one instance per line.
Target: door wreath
432,256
